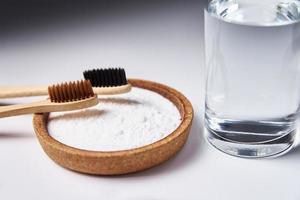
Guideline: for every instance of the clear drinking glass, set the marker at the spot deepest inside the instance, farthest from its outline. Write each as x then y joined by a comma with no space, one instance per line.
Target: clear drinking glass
252,75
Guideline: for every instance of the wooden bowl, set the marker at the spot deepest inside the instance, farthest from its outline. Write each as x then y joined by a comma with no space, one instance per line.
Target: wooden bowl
120,162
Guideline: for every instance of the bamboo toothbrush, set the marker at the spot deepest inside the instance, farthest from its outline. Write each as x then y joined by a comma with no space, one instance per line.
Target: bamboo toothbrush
63,97
104,81
108,81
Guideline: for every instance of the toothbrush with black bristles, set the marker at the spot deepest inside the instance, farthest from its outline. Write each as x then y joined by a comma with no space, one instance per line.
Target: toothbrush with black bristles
108,81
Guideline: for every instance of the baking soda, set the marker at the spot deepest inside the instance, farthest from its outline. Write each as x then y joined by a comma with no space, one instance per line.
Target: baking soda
120,122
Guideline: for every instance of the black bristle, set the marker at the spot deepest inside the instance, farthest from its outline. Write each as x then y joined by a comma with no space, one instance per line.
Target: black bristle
93,75
124,77
113,78
105,78
109,77
117,77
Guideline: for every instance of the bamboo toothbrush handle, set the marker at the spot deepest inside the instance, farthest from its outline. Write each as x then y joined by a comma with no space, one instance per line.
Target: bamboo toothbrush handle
29,91
112,90
46,106
22,109
22,91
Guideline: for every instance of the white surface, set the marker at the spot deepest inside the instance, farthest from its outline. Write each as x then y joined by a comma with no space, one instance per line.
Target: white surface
164,45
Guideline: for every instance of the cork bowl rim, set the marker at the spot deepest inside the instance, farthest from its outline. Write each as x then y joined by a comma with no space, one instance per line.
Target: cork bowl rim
40,122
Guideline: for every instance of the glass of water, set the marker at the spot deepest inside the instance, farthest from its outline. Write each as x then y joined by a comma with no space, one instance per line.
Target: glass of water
252,75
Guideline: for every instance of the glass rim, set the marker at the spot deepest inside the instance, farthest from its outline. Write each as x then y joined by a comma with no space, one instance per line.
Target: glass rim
252,24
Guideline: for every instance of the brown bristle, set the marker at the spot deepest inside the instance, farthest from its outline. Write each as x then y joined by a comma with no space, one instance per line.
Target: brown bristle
72,91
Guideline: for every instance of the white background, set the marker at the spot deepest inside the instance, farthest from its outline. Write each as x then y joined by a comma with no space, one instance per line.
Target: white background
163,43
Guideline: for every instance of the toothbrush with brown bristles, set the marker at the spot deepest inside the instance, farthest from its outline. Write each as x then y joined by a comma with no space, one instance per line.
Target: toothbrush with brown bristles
104,82
63,97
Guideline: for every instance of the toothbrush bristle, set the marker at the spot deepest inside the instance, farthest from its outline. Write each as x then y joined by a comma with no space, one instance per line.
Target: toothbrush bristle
72,91
110,77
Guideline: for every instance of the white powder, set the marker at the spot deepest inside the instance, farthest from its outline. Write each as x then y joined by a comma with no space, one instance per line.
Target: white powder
121,122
